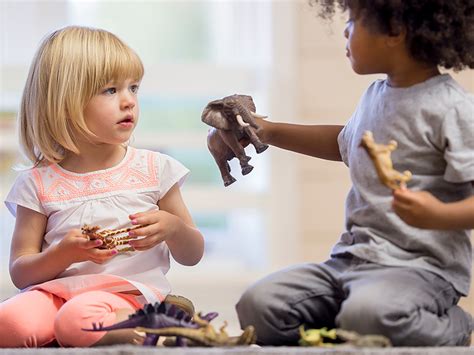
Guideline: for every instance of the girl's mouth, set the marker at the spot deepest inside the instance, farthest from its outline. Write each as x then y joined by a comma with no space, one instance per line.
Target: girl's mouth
127,122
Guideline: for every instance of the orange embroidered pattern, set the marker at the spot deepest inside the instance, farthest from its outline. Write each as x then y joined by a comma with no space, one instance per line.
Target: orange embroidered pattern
137,171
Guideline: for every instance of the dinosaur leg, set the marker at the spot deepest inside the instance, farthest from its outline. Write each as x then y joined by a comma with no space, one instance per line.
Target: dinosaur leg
151,340
182,303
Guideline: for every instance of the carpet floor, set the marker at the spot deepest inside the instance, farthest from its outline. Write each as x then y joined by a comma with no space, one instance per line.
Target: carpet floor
251,350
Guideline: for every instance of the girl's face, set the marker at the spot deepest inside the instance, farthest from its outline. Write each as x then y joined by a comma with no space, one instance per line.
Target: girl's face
112,114
366,49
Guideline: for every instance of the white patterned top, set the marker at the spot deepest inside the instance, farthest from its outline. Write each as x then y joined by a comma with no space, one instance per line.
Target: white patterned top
105,198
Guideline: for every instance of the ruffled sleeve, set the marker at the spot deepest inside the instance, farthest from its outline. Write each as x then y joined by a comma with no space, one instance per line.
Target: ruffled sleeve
24,192
170,172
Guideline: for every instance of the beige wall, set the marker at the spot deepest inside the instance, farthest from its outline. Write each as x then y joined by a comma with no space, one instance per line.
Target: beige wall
328,92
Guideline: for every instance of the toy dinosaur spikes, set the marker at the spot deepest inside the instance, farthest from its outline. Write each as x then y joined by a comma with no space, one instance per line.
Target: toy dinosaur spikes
97,327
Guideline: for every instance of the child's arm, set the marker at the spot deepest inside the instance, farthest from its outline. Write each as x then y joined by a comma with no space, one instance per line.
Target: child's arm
171,223
315,140
29,265
421,209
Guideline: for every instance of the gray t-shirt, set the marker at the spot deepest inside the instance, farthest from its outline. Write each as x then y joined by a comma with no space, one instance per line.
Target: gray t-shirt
433,123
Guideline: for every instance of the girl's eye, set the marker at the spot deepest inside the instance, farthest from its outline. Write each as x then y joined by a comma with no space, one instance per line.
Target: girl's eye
110,91
134,88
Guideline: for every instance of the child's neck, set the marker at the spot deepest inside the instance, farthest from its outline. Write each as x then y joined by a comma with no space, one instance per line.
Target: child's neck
94,158
409,74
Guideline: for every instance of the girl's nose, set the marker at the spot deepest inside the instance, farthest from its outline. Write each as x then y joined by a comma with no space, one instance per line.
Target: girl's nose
128,101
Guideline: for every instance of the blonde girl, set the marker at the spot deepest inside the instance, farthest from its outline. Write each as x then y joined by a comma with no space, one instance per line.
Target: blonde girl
78,111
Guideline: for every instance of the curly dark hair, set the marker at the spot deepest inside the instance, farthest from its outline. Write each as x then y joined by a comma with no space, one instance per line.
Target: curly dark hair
439,32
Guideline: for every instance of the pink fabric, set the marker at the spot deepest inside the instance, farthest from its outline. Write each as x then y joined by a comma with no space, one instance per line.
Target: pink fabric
36,318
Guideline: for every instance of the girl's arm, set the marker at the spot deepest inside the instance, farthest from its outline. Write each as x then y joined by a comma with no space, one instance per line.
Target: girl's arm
29,265
315,140
421,209
173,224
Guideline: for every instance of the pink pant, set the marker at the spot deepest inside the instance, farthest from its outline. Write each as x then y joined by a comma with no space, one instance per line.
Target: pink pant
36,318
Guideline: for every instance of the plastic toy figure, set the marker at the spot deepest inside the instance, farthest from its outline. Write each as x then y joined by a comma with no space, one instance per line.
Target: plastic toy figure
380,155
233,125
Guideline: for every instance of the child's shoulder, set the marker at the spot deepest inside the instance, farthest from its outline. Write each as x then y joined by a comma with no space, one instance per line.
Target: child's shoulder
451,99
442,92
458,93
27,172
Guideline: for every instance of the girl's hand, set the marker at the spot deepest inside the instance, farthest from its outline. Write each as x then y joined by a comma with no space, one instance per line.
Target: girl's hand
77,247
160,226
418,208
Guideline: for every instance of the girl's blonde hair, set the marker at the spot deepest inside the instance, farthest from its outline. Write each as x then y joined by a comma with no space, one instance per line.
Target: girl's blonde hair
71,65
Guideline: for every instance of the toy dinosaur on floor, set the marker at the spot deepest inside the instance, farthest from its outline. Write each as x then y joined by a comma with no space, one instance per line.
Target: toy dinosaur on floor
340,337
155,320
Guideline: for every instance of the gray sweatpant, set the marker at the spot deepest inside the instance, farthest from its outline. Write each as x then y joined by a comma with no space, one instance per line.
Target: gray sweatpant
412,307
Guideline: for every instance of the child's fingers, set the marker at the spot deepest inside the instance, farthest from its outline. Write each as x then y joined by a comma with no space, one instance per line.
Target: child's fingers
403,196
101,255
143,217
400,206
144,231
90,244
82,241
145,243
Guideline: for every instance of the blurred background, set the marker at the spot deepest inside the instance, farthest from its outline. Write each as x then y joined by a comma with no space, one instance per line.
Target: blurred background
290,208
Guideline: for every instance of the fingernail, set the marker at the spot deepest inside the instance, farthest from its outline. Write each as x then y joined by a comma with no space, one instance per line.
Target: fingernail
98,242
131,234
114,252
134,221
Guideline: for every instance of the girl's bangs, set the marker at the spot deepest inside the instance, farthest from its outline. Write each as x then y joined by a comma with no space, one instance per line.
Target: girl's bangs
119,62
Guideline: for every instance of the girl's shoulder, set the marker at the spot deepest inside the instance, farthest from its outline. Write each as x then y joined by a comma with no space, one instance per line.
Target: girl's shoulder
26,190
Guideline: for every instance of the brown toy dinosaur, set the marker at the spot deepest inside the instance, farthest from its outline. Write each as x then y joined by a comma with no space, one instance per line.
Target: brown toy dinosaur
205,335
380,155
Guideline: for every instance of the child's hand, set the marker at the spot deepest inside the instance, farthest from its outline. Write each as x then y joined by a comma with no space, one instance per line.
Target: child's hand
77,247
418,208
161,226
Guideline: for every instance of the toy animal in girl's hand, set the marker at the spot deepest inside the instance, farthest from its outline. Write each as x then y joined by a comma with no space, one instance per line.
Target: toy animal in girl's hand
111,238
233,126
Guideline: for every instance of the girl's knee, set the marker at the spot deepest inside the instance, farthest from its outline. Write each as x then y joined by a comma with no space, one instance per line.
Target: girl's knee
81,312
25,323
15,331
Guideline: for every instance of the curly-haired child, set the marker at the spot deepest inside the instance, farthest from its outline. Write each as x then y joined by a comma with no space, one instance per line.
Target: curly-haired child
78,111
404,260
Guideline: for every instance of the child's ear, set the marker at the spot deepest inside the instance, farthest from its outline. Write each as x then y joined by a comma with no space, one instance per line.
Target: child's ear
395,40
